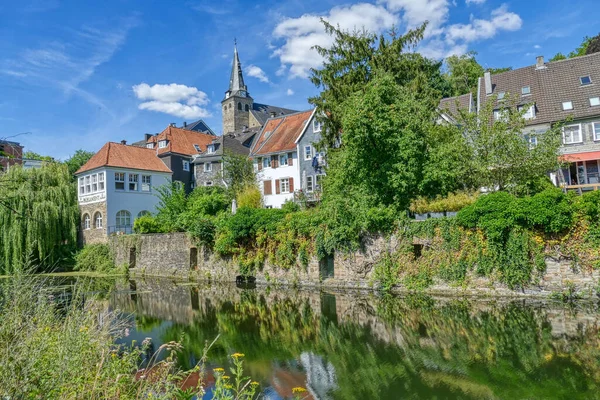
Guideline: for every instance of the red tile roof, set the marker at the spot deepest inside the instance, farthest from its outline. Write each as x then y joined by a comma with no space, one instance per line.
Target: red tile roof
123,156
280,134
181,141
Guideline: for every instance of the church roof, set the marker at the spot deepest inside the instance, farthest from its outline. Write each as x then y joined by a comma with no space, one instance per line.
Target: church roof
236,80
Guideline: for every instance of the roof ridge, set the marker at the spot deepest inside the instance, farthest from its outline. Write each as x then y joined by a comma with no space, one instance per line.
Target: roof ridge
574,58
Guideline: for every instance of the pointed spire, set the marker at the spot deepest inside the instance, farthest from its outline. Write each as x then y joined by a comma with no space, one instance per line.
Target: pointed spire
236,81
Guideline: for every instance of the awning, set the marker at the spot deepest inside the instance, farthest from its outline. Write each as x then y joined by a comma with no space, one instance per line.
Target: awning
589,156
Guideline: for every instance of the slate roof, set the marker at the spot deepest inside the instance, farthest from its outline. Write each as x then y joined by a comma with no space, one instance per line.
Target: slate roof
199,126
262,112
451,105
181,141
280,133
551,85
124,156
223,144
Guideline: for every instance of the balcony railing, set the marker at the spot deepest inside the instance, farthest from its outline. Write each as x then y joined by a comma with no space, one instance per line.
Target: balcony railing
120,230
309,197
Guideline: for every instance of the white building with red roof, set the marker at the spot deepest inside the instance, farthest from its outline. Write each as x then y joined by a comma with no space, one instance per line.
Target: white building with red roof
116,186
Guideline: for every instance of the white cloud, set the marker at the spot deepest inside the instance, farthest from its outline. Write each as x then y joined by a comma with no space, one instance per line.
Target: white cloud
301,34
416,12
173,99
474,1
537,46
478,29
290,92
257,72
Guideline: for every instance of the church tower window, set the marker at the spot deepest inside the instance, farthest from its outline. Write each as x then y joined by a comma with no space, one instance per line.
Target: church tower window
240,106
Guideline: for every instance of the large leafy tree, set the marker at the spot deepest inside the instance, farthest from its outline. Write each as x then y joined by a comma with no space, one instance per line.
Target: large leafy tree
588,45
463,73
238,172
77,160
356,57
39,217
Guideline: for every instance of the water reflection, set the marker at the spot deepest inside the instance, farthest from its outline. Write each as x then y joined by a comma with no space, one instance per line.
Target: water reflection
360,345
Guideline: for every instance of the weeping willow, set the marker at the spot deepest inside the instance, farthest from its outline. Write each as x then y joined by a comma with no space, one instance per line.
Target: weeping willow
38,218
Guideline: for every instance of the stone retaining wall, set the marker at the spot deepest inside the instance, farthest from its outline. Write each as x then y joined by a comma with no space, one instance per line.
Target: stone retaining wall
174,255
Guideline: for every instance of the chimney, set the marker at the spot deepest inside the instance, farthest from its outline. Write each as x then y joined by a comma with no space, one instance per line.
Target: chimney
272,114
173,124
147,136
539,62
487,77
123,141
184,124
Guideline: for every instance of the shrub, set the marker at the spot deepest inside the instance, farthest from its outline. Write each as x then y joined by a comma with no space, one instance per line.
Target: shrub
249,197
589,204
204,229
147,224
495,213
550,210
290,206
453,202
95,257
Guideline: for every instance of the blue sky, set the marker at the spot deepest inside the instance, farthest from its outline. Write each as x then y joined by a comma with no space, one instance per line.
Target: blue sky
76,74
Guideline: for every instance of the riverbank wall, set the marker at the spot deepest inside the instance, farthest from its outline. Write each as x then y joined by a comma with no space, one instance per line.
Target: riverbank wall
174,255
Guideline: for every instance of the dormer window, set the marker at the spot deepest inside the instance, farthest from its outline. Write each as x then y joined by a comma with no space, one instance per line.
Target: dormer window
530,113
525,90
162,144
501,95
149,145
210,148
585,80
197,148
594,101
567,105
501,115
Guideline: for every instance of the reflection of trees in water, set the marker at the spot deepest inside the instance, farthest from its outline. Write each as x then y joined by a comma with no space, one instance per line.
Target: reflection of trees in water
391,347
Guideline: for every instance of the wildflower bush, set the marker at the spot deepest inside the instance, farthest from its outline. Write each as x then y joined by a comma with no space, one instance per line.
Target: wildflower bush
452,202
95,257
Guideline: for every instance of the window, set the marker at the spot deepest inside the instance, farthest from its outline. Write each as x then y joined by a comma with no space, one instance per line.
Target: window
149,145
531,139
309,184
307,152
133,182
98,220
197,148
585,80
501,95
208,183
526,90
284,185
86,221
594,101
210,148
146,183
186,165
317,126
88,187
142,213
119,181
240,106
283,159
501,115
567,105
247,108
123,218
94,183
207,167
266,162
596,129
162,144
572,134
101,181
530,113
81,186
318,180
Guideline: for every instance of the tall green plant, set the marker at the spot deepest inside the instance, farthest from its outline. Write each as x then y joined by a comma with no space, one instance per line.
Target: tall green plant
39,217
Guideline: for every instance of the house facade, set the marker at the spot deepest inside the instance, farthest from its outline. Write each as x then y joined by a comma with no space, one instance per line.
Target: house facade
312,163
280,154
11,153
115,187
565,91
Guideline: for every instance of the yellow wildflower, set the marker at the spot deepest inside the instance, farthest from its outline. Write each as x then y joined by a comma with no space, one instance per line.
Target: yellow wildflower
237,355
219,370
254,383
298,390
225,377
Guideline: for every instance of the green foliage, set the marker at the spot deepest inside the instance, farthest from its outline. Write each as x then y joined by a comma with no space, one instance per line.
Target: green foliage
147,224
203,202
290,206
581,50
172,203
238,172
551,211
77,160
203,229
452,202
30,155
39,218
95,257
249,197
463,73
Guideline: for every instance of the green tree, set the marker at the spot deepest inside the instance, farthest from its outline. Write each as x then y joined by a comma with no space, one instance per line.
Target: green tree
238,172
582,49
499,155
353,60
30,155
463,73
77,160
39,217
172,203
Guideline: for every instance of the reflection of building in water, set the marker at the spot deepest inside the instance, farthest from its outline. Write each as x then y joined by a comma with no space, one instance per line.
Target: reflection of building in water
320,375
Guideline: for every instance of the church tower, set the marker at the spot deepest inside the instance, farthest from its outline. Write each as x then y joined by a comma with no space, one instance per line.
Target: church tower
237,102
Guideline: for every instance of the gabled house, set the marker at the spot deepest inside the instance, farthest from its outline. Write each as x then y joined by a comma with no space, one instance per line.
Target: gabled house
285,159
553,92
176,147
449,107
116,186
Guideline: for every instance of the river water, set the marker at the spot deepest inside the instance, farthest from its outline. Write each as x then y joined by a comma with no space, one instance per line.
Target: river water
361,345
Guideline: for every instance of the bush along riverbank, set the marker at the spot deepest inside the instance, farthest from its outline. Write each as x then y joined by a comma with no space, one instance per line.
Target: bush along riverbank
498,241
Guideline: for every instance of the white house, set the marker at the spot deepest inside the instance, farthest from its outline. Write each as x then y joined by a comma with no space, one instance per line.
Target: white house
275,155
116,186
